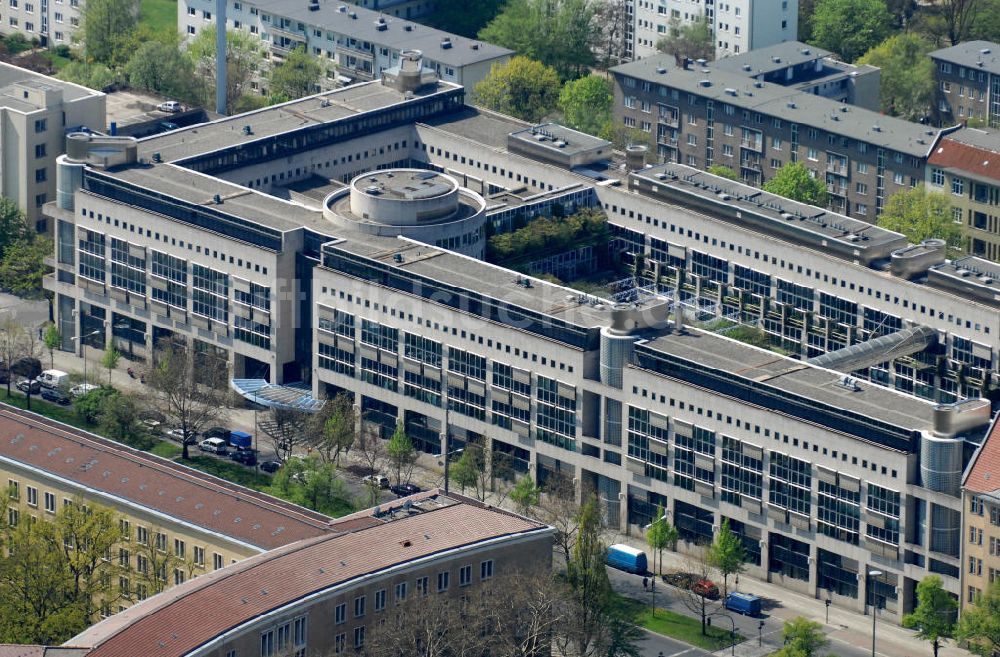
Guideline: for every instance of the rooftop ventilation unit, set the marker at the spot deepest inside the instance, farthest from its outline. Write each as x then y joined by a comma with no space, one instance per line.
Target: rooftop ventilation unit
157,158
661,70
475,46
407,28
984,51
313,5
876,128
791,105
342,9
731,92
247,130
381,25
701,62
747,67
446,43
775,59
704,83
758,84
806,51
353,15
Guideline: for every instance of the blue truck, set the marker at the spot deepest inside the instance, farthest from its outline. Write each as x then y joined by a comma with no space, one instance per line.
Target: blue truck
743,603
627,558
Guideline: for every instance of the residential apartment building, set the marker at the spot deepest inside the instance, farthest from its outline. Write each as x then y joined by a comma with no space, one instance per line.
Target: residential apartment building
237,240
981,519
966,166
705,115
36,112
327,596
179,523
738,26
810,70
354,44
967,86
52,22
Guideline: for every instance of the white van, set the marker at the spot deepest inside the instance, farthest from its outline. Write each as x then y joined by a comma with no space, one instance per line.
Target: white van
54,379
213,445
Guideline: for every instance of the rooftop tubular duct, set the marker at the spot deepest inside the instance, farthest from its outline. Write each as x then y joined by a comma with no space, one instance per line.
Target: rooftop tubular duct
877,350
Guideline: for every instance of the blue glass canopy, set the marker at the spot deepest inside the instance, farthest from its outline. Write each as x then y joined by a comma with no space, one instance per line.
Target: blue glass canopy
290,396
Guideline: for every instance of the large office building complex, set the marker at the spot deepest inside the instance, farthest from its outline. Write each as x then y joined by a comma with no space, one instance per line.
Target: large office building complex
335,241
705,114
352,43
36,112
738,26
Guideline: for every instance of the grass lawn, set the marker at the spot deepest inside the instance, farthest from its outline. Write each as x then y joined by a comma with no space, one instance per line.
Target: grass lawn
166,449
159,15
54,411
58,63
677,626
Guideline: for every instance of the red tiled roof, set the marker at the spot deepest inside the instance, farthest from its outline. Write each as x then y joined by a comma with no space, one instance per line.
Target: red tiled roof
149,481
984,475
191,614
975,160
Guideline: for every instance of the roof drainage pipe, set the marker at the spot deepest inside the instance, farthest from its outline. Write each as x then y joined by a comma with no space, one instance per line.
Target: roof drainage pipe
877,350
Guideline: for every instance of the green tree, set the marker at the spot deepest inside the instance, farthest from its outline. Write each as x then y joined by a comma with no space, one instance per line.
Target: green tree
803,637
314,483
13,225
161,68
796,182
105,29
89,74
244,56
88,533
295,77
521,87
660,534
907,86
692,40
722,171
586,103
110,358
53,341
727,554
401,454
465,471
90,407
23,267
560,33
934,616
850,28
979,624
121,420
525,495
464,18
919,215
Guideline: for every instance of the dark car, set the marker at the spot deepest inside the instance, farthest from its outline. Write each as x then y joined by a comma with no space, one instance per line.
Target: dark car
217,432
245,456
402,490
24,385
270,466
55,395
694,583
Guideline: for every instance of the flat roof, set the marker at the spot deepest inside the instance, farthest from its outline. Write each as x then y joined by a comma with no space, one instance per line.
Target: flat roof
772,58
742,361
786,103
12,98
559,139
825,224
398,34
141,479
984,55
184,617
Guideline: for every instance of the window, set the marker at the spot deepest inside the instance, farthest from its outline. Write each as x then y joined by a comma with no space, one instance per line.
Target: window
178,576
50,502
199,556
380,600
359,606
41,125
161,541
443,580
340,613
486,569
179,548
40,148
465,576
957,186
422,585
13,489
217,561
299,636
267,643
32,496
41,175
359,637
937,177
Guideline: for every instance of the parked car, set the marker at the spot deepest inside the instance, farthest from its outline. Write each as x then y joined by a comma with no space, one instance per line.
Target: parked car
706,589
32,386
213,445
376,480
53,379
178,435
81,389
402,490
244,456
171,106
270,466
55,395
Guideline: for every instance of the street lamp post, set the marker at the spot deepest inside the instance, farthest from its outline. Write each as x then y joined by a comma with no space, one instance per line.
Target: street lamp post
652,588
829,601
446,454
872,575
732,634
83,348
760,633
